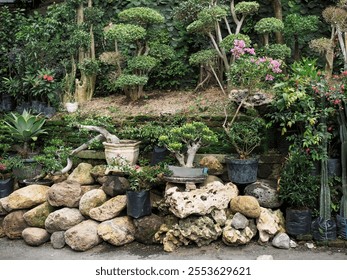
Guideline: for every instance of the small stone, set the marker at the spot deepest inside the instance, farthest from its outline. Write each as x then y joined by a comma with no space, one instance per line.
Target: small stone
58,239
35,236
281,240
293,244
310,245
239,221
265,257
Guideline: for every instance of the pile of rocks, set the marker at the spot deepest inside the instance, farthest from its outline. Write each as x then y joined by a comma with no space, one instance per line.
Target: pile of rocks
89,208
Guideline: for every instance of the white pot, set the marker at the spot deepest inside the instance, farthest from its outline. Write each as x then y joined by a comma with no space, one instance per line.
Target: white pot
128,150
71,107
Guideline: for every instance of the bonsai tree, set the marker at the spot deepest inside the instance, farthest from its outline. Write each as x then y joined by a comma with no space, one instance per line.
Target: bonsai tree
26,128
184,141
265,26
246,135
134,30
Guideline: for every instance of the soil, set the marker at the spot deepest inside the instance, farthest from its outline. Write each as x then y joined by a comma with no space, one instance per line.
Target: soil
157,103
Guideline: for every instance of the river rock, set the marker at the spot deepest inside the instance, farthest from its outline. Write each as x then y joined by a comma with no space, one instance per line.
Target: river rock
58,239
200,201
14,223
2,232
246,205
281,240
115,185
81,174
118,231
35,236
66,193
63,219
26,197
239,221
110,209
87,188
3,212
265,191
36,217
91,199
83,236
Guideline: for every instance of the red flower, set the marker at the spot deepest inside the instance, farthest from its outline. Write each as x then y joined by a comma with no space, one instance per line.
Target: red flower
49,78
45,77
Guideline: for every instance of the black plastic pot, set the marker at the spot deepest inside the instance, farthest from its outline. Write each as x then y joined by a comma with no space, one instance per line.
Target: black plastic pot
298,221
324,230
6,187
138,203
159,154
7,103
341,223
242,171
30,169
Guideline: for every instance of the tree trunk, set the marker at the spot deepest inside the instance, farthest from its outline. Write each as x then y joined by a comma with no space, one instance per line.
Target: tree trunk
277,7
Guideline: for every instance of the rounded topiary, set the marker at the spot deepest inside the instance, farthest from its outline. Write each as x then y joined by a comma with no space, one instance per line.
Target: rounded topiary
141,15
298,24
268,25
126,33
246,8
142,63
276,51
335,16
321,45
203,57
129,80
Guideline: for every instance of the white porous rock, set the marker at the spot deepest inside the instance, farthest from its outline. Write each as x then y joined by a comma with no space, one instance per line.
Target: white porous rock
269,223
200,201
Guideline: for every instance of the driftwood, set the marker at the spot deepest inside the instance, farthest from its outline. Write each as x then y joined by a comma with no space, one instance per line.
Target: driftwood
104,135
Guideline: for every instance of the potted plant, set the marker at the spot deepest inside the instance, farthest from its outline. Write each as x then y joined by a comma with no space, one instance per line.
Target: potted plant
141,179
245,136
298,190
6,177
184,142
25,128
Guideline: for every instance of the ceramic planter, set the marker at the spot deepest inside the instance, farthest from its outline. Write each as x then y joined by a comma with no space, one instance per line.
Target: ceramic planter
126,150
242,171
186,174
71,107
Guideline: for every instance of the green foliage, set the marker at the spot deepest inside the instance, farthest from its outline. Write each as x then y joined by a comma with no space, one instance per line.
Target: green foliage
89,66
126,33
246,8
129,81
298,188
143,63
268,25
54,156
246,135
178,138
203,57
25,128
296,24
187,11
276,51
141,16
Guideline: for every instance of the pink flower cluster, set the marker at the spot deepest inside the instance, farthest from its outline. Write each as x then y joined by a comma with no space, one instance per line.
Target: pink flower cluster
240,49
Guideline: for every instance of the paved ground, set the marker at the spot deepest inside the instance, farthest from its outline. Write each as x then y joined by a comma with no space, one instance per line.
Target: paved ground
18,250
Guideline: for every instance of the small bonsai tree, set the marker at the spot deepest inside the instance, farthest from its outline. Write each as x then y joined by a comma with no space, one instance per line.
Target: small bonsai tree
184,141
265,26
134,29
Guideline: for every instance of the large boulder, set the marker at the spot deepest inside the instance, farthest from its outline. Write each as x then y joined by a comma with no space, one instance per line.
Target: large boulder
2,232
199,201
91,199
35,236
37,216
14,223
83,236
269,224
82,174
3,212
118,231
63,219
66,193
26,197
265,191
246,205
110,209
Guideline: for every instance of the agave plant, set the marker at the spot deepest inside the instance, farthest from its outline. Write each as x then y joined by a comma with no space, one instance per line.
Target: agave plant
25,128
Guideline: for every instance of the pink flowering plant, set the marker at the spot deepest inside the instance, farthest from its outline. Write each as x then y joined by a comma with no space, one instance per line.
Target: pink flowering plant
250,71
